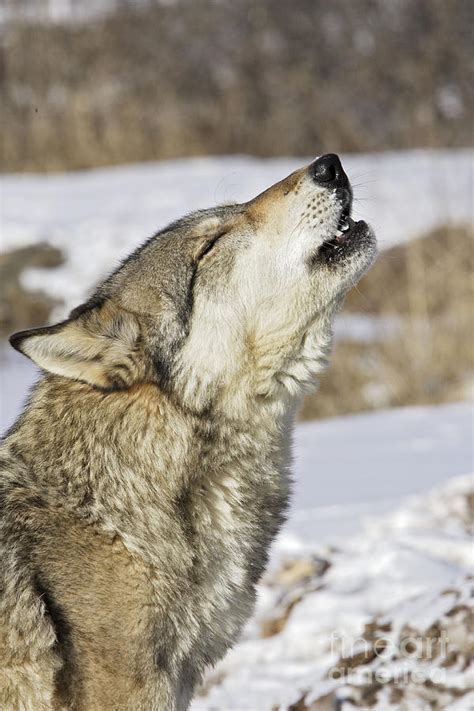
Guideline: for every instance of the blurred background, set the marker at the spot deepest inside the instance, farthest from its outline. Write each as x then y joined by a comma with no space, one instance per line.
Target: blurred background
100,82
118,116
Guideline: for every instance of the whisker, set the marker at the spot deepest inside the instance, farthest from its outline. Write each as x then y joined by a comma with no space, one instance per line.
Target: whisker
364,183
296,227
365,173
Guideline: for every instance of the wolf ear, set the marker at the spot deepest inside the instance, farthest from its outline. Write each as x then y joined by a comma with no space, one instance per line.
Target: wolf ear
97,345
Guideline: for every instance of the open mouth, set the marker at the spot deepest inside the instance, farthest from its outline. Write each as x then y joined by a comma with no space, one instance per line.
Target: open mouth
347,239
350,238
345,223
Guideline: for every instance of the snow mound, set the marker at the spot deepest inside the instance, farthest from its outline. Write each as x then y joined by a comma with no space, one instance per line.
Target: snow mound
383,621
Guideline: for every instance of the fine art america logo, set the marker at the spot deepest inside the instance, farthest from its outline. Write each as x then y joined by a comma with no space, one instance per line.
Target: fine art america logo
382,660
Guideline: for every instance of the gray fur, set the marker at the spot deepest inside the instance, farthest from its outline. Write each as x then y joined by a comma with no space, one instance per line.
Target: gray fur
142,486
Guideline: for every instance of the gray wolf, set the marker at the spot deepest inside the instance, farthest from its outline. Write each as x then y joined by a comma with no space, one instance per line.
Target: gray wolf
149,472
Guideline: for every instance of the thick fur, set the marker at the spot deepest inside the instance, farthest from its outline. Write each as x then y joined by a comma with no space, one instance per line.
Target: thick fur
143,484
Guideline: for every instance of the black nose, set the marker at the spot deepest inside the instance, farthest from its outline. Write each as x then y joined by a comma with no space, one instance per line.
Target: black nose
328,172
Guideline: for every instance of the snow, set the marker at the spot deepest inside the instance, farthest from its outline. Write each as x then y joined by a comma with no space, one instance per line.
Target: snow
68,11
347,467
401,574
97,217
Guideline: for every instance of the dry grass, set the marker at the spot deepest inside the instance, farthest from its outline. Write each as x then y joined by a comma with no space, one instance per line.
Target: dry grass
427,287
158,80
20,308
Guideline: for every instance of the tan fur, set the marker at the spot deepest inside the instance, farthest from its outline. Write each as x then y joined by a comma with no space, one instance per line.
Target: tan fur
141,488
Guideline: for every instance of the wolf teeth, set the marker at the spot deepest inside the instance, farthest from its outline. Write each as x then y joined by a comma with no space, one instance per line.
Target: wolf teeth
345,224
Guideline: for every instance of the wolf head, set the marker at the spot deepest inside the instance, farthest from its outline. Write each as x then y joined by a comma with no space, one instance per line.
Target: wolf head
228,303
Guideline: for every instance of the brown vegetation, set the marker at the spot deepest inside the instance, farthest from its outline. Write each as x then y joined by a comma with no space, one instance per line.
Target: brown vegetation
426,355
20,308
153,80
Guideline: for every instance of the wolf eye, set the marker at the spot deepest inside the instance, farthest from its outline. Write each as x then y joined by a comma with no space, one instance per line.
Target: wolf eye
210,245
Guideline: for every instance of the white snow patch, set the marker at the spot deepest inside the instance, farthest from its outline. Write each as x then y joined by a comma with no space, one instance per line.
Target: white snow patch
381,575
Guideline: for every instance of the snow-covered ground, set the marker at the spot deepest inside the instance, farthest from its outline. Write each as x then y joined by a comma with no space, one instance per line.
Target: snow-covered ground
370,587
350,467
384,618
98,216
368,557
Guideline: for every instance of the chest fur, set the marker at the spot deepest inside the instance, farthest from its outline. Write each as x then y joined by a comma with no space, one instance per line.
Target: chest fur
229,517
204,526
